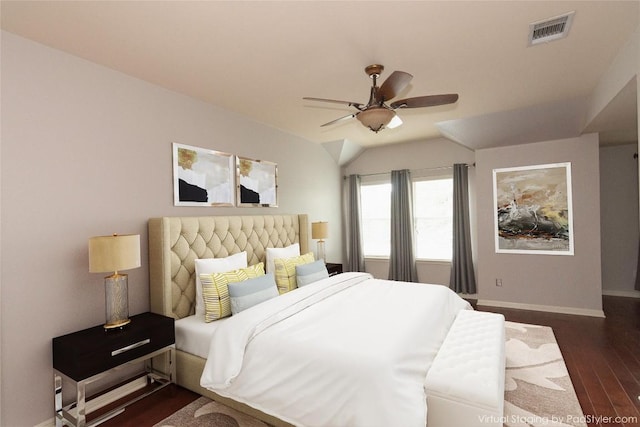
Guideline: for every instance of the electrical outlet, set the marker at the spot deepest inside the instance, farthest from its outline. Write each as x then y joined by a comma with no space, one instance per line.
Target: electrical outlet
499,282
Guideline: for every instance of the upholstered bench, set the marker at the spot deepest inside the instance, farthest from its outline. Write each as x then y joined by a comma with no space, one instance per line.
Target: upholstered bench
465,384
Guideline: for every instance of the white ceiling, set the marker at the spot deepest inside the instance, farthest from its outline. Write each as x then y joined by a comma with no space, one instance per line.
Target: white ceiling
260,58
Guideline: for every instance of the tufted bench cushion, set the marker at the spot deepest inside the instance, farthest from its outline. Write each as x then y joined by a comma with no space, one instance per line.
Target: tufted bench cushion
465,384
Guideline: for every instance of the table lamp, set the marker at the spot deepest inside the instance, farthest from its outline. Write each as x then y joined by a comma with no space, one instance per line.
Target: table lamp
113,254
320,230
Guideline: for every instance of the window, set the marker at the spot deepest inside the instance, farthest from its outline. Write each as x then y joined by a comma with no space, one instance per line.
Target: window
376,219
433,221
433,218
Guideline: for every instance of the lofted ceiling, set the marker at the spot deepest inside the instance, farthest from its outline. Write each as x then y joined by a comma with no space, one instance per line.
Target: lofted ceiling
260,58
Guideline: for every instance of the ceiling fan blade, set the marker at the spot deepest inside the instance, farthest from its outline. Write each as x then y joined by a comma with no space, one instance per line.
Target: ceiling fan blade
350,116
425,101
394,84
335,101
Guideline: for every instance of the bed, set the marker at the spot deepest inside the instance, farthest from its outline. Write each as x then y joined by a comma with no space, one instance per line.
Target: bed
299,346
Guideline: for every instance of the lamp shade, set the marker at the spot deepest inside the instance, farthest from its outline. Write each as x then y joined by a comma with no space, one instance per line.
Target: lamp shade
376,118
319,230
114,253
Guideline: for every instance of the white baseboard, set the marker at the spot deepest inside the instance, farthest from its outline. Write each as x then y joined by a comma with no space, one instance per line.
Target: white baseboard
616,293
104,399
546,308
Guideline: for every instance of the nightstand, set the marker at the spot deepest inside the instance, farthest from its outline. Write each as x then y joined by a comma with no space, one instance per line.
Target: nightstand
333,269
92,354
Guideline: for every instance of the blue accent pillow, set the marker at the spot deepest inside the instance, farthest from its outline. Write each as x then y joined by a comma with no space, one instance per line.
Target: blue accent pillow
311,272
250,292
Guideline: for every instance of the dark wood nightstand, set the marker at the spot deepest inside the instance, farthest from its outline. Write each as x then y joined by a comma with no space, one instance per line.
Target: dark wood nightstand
92,354
333,268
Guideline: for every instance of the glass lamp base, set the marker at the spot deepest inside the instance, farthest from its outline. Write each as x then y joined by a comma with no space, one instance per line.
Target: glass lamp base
321,255
117,301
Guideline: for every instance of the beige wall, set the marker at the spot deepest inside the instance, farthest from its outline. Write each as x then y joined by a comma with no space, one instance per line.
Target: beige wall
619,218
415,156
1,222
87,151
556,283
548,282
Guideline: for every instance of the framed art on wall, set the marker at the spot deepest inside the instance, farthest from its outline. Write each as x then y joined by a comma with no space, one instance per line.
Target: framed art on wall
202,177
257,182
533,209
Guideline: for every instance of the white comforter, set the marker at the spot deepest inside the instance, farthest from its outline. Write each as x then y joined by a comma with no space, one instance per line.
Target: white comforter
349,350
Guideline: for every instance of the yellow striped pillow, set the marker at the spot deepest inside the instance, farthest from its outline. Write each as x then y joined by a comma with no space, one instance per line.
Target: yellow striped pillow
215,290
286,271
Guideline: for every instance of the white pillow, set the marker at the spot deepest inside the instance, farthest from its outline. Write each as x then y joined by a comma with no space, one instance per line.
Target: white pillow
215,265
275,253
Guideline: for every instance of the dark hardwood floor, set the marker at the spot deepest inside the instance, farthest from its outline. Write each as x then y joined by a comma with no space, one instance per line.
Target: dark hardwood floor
153,408
602,356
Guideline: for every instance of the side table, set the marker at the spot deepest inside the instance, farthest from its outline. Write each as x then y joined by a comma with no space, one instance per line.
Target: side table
333,268
92,354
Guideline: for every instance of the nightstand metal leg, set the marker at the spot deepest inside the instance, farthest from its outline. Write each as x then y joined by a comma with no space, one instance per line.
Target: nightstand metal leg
172,365
162,367
57,389
81,404
75,413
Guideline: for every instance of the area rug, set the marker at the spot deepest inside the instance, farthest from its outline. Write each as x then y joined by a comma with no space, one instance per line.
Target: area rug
204,412
538,390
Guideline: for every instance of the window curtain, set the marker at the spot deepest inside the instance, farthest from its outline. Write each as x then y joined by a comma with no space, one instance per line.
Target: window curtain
463,279
355,256
402,261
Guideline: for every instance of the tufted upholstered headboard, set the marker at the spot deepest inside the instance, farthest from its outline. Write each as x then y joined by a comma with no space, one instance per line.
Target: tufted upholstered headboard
175,242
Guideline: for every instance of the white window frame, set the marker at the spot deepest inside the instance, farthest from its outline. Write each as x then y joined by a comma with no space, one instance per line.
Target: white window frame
378,180
369,181
449,208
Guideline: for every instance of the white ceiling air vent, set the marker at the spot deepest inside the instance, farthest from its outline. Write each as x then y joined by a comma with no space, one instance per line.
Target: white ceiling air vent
550,29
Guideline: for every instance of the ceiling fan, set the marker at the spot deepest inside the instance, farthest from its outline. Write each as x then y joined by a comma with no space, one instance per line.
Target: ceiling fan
378,114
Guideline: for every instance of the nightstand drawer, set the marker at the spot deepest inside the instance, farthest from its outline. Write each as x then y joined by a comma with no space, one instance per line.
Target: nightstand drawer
333,268
83,354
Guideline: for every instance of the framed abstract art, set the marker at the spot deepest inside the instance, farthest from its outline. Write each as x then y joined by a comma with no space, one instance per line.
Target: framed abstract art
533,209
202,177
257,182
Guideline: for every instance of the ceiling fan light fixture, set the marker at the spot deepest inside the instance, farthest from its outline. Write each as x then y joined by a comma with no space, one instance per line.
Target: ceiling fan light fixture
376,114
376,118
394,123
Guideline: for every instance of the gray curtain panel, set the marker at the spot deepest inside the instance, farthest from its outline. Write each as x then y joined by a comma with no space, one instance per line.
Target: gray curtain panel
355,256
402,260
463,278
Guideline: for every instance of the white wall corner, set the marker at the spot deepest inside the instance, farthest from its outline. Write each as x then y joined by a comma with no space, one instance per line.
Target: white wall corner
623,68
343,151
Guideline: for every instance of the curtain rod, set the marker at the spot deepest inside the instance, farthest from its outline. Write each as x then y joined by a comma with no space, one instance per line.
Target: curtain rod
413,170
